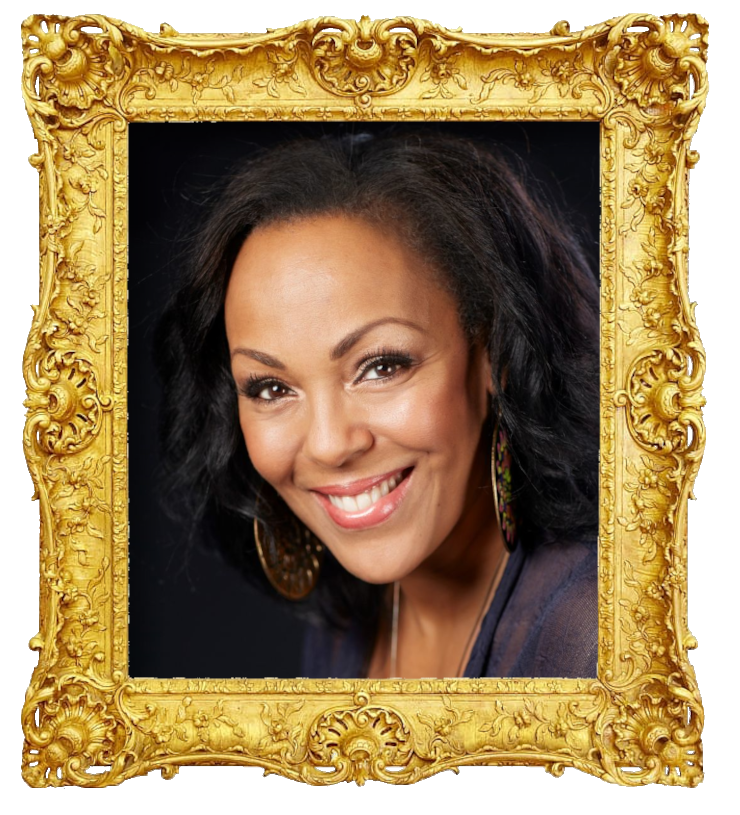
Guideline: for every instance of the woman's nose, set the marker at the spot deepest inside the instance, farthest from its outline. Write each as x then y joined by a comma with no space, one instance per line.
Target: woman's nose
337,431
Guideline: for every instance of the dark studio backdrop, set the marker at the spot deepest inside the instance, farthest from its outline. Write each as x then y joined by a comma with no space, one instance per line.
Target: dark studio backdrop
191,613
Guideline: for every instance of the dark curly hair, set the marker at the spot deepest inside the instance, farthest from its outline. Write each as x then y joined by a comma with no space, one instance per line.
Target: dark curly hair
516,270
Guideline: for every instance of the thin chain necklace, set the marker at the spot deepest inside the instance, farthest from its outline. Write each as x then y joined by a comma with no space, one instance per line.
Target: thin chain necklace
479,617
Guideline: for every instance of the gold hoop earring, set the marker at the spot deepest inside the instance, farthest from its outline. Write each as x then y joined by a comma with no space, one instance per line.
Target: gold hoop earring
502,489
290,554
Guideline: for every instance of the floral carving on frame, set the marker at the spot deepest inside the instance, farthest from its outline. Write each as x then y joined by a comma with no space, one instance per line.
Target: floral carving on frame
643,78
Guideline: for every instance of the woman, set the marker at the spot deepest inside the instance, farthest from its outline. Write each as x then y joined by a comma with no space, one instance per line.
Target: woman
384,360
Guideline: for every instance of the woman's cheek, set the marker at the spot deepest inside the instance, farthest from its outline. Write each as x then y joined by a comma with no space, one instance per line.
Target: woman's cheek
269,448
425,418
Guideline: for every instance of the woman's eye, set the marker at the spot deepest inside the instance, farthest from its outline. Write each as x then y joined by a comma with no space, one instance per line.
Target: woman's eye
381,370
385,368
265,390
271,392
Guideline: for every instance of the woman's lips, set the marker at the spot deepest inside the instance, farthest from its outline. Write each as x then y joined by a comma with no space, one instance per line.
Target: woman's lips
378,511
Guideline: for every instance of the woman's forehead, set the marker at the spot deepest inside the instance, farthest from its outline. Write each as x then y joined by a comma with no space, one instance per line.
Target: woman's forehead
330,268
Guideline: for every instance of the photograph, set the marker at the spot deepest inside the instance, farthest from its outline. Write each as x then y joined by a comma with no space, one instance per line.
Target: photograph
363,374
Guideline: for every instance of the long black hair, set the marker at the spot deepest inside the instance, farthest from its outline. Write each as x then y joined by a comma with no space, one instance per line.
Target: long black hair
522,285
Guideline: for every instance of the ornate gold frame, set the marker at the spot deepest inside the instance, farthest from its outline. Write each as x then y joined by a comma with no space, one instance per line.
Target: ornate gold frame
644,79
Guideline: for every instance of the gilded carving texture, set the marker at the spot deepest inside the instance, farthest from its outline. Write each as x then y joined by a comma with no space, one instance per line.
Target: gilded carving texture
644,79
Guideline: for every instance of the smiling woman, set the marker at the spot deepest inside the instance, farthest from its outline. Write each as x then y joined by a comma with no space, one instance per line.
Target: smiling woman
366,416
384,358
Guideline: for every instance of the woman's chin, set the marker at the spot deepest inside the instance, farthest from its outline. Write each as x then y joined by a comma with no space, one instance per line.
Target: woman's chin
376,569
379,579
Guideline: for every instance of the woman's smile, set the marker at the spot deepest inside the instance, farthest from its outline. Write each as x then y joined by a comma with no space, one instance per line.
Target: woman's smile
360,504
361,401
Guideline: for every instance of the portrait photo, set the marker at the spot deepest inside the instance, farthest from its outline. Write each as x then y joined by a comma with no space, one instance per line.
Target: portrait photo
363,397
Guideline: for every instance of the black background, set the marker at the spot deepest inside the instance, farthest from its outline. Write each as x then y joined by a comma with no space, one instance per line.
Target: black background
191,614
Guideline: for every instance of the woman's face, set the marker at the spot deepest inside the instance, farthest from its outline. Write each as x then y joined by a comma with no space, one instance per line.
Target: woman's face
360,400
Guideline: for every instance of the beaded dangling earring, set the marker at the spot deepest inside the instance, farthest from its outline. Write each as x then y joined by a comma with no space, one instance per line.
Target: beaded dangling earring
289,552
502,490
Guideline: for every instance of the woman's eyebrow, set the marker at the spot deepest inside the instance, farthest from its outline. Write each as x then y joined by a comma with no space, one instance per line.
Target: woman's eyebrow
339,350
260,356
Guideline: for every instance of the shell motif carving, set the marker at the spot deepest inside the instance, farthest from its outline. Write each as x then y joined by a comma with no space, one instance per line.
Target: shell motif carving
364,59
653,66
361,742
67,64
660,734
664,401
68,410
67,732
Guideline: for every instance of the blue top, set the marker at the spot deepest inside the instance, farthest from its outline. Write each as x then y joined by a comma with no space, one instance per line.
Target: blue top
542,622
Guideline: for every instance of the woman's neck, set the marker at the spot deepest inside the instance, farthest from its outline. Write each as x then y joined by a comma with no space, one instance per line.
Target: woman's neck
456,576
443,601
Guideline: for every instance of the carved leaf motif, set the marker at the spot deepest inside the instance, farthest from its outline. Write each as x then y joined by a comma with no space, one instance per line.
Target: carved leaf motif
649,295
283,730
79,301
444,740
282,73
565,74
444,76
652,490
74,497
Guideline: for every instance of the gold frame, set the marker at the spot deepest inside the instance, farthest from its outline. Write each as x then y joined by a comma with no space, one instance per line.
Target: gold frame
644,79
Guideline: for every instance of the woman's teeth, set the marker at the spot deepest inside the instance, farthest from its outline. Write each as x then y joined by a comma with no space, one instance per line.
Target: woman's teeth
356,503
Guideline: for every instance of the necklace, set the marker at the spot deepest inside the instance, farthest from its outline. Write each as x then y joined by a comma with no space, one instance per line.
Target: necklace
486,601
